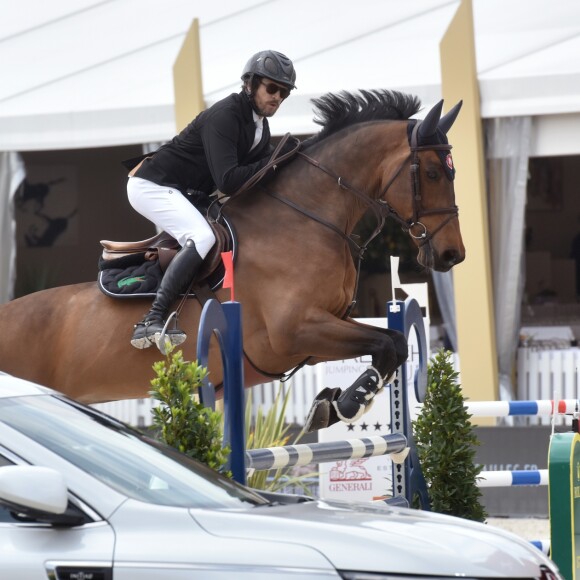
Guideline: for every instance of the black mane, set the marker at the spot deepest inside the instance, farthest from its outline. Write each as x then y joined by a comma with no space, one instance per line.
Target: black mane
337,111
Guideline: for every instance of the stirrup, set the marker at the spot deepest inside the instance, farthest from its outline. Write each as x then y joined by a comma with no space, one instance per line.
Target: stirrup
164,340
160,337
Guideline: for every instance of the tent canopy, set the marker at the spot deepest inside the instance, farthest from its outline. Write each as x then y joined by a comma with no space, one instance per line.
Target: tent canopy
92,73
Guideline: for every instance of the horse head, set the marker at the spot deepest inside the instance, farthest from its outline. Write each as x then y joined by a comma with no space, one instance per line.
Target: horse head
368,144
425,204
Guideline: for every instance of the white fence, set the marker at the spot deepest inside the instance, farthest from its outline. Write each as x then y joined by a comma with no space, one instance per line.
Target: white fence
136,412
303,387
547,373
542,373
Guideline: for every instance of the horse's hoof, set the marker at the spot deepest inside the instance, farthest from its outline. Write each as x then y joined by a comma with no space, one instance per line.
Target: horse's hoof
322,413
318,416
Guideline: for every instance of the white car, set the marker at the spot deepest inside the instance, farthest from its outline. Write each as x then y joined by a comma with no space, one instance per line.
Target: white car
84,497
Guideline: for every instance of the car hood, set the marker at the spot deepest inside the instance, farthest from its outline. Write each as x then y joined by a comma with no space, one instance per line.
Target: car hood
377,537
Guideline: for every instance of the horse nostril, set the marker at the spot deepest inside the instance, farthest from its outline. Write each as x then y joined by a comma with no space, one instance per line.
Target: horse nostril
451,257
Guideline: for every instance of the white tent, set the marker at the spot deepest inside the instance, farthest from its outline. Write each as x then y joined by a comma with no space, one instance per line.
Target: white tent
98,73
90,73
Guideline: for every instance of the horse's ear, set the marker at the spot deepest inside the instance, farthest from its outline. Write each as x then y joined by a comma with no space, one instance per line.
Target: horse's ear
447,120
428,125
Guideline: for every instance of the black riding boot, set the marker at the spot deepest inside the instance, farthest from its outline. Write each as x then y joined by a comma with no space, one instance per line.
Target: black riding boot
176,279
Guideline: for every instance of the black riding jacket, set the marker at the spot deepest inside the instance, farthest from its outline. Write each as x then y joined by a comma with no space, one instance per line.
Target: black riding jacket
212,152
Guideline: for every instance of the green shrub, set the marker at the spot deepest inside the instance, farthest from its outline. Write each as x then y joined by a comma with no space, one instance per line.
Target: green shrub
183,422
446,444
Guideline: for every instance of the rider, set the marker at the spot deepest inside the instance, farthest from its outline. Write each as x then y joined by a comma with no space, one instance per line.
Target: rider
221,148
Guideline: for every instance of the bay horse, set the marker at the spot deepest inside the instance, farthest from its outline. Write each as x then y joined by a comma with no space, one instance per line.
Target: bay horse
295,273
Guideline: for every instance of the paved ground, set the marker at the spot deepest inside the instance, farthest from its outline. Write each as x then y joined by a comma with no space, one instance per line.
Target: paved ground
527,528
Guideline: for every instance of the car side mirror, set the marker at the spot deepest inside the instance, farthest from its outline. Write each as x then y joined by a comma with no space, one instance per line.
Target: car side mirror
37,493
32,487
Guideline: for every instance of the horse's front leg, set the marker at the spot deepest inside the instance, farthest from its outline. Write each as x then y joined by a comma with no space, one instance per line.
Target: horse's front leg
354,401
335,339
333,404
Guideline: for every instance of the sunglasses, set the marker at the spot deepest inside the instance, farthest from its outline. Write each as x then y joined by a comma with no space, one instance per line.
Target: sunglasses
272,89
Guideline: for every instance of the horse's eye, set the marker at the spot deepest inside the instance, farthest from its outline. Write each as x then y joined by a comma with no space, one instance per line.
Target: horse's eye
432,173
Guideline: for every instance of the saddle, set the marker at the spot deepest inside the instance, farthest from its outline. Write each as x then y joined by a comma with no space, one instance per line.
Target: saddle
135,269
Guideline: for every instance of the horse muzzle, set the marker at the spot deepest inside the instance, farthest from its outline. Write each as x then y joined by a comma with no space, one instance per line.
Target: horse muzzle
444,261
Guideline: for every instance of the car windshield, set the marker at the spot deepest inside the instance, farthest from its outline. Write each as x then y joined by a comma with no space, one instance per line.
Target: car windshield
121,457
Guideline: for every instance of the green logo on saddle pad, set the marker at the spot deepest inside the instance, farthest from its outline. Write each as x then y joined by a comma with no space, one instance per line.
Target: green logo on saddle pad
130,280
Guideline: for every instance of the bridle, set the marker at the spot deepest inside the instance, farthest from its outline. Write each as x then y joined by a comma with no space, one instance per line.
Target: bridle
381,208
418,210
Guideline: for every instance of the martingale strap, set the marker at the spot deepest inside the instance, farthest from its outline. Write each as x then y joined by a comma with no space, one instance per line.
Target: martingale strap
316,218
376,206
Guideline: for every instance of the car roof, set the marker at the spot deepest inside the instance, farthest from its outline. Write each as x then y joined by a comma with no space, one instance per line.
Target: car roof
14,387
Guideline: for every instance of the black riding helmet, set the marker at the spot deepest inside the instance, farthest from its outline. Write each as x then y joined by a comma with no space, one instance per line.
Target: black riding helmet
273,65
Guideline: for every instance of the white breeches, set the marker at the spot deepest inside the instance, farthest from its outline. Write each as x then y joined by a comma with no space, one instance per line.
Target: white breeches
171,212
